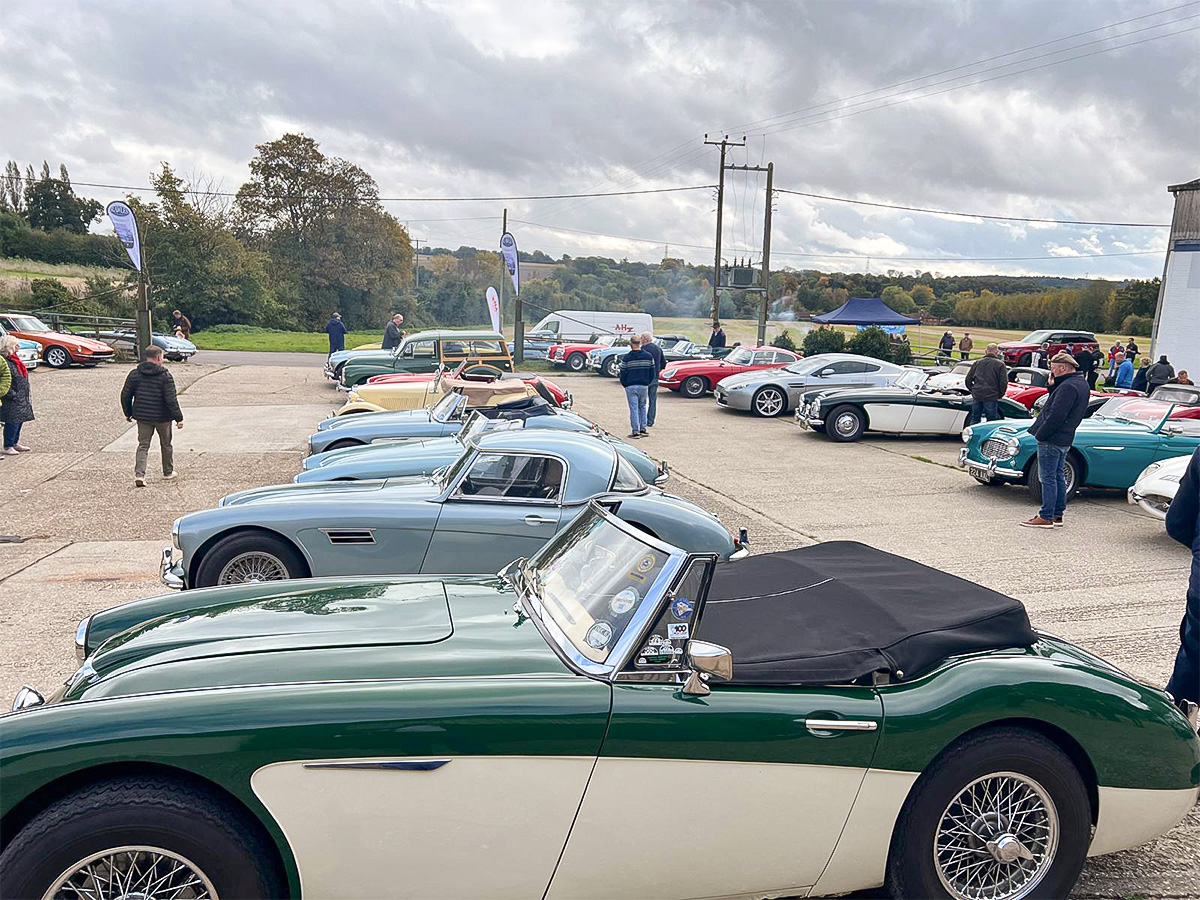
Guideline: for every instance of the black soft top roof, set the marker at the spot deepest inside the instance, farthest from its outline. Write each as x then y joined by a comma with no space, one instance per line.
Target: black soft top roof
840,611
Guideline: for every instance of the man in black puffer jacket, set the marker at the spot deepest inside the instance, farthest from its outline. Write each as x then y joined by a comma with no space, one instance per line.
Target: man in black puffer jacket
1054,429
149,398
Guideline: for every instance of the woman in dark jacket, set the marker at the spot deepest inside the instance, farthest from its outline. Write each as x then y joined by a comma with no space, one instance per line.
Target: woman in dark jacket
16,408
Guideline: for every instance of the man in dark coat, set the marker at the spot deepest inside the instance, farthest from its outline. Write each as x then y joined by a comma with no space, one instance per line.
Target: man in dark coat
988,382
336,329
393,337
1054,429
636,373
1183,524
182,322
652,389
149,398
1159,374
716,340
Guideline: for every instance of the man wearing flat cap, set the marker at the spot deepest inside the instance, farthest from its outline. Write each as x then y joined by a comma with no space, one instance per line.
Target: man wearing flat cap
1054,429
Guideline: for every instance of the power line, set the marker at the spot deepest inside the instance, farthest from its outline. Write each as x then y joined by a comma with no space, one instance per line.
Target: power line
127,187
848,256
946,212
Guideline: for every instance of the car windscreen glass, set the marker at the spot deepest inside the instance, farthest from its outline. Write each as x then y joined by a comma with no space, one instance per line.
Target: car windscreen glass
1147,414
911,379
804,366
450,473
626,478
1170,394
1036,337
590,582
741,356
29,323
444,410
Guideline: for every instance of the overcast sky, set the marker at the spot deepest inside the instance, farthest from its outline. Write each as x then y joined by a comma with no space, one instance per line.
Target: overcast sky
470,98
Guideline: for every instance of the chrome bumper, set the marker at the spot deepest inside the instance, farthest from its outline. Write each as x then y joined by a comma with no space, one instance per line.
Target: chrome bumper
593,364
991,465
170,572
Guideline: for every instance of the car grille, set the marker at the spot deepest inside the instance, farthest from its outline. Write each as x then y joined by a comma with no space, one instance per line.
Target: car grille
995,448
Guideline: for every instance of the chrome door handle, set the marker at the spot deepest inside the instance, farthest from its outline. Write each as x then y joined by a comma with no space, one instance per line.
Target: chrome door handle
818,726
538,520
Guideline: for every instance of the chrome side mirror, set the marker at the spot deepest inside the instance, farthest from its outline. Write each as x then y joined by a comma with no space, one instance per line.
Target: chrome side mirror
707,661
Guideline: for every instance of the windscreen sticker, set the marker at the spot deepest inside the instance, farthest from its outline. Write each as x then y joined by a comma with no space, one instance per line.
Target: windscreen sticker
681,608
677,631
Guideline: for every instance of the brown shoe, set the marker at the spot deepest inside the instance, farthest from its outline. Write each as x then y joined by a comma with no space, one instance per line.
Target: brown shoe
1038,522
1058,522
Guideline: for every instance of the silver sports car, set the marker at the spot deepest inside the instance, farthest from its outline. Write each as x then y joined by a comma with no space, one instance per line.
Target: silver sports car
772,392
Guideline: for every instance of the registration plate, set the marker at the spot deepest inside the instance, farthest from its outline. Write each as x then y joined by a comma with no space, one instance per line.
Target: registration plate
979,473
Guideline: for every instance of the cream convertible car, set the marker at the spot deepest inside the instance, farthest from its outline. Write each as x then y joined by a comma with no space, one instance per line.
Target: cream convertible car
612,718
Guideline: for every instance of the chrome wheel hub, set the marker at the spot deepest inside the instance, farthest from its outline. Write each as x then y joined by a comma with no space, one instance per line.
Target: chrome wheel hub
846,424
253,566
997,839
133,873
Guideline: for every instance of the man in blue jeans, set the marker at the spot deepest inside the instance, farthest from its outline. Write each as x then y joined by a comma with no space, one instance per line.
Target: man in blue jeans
659,362
637,372
1054,429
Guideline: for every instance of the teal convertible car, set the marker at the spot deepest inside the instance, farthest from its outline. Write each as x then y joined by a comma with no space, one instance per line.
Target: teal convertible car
815,721
1110,449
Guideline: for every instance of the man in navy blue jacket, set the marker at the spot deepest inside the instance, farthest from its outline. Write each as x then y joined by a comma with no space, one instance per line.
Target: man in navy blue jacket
1183,524
336,329
637,373
1055,429
659,362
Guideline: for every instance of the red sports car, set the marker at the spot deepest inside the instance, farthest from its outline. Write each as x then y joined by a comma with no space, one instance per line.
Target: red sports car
696,378
574,356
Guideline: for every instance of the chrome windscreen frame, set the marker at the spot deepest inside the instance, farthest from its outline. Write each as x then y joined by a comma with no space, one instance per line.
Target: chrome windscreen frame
642,619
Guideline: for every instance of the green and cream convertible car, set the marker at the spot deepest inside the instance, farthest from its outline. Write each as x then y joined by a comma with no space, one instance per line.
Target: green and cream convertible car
501,496
809,722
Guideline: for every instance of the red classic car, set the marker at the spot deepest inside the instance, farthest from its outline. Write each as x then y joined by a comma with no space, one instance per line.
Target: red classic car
467,368
1019,353
574,356
59,349
696,378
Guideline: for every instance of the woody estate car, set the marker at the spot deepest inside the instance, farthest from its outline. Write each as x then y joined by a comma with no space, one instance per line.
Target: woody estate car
1110,449
828,719
393,459
697,378
58,348
772,392
907,406
425,351
505,495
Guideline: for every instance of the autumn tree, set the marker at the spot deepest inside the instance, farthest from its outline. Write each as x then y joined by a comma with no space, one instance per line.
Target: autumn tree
51,203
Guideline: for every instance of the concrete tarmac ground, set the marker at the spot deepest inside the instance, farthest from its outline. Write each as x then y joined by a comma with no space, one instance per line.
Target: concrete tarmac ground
1111,580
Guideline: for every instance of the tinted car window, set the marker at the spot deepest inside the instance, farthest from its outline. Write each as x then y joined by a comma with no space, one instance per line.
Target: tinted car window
419,349
764,358
513,477
846,367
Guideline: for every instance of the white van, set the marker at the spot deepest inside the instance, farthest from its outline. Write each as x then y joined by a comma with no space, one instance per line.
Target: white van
579,325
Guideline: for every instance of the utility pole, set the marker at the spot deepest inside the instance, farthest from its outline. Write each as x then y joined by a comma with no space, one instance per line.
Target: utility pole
724,144
766,260
144,331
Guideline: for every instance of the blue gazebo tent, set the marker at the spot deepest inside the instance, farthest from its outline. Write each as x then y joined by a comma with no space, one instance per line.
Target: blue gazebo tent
864,311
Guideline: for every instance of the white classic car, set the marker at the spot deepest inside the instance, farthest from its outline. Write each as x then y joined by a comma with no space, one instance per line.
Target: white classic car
1155,488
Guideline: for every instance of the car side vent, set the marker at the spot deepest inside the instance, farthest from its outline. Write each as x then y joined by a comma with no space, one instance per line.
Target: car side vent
349,535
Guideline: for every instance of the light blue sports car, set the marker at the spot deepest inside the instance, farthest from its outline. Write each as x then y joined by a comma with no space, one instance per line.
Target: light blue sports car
392,459
502,498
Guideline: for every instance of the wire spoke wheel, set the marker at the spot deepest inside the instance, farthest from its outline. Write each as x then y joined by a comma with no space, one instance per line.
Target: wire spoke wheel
997,839
133,873
255,565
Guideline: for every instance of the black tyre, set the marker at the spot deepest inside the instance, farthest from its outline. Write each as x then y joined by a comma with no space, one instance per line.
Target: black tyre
956,836
140,828
56,357
694,387
609,367
1025,360
576,362
1072,475
846,423
343,444
249,556
768,402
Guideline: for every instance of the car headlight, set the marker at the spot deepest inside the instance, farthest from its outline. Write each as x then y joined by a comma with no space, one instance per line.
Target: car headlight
966,435
175,534
81,631
1013,446
735,387
1150,470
